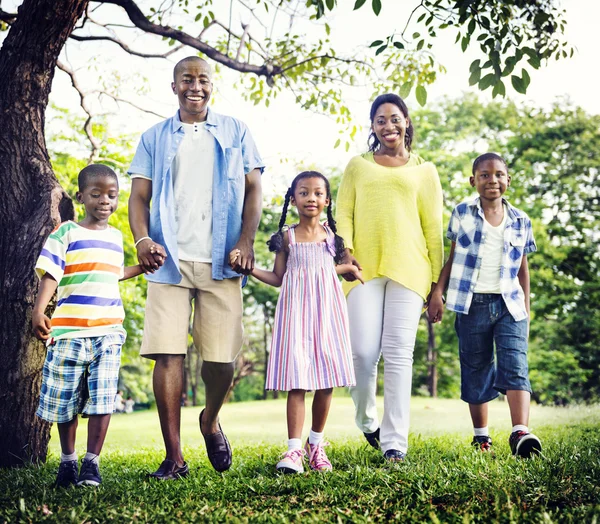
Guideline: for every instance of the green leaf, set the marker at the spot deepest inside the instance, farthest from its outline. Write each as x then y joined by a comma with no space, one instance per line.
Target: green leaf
330,4
420,45
474,65
198,17
464,43
359,4
376,43
499,89
399,45
381,49
486,81
517,83
471,27
376,6
526,78
475,76
337,143
405,89
327,29
421,94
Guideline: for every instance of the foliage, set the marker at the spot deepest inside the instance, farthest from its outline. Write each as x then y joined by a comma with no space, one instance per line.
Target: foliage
443,480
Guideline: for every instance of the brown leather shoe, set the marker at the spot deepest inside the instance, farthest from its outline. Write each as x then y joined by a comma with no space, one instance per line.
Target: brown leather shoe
169,470
217,448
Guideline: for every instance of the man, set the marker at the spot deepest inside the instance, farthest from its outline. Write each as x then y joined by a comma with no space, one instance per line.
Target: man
201,171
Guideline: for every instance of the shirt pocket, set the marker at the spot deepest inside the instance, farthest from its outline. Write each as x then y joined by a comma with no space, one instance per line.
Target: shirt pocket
466,236
517,238
235,164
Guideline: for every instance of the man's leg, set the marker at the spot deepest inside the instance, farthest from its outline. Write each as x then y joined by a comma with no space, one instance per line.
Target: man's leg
167,382
217,377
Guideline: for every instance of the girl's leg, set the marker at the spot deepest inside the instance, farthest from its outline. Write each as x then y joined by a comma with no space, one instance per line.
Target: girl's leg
402,312
97,428
295,413
66,433
365,312
320,409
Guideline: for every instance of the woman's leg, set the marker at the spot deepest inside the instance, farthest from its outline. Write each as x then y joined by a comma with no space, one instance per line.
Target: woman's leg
402,312
365,312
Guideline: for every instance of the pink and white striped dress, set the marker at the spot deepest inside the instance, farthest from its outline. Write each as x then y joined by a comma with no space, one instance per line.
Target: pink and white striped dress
310,349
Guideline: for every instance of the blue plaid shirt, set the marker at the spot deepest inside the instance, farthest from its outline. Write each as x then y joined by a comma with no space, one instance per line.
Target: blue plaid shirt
235,156
466,230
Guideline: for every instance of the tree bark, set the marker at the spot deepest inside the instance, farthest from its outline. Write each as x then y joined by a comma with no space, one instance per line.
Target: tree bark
33,204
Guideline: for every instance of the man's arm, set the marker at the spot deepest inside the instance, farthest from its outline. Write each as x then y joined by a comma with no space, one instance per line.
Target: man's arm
244,263
139,219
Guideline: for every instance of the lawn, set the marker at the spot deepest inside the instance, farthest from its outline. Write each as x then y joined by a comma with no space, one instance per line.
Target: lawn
443,480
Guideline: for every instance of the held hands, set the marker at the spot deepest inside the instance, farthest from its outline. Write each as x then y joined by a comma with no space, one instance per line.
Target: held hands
352,275
42,326
150,255
348,270
241,258
435,310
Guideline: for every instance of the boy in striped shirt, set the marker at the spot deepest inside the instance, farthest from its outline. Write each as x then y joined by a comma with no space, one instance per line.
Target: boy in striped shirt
83,262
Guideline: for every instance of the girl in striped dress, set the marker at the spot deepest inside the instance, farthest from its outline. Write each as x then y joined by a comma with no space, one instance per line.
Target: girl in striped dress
310,350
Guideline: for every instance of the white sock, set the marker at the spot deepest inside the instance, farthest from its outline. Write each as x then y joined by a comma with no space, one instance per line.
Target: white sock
92,458
294,443
520,427
481,432
68,458
315,438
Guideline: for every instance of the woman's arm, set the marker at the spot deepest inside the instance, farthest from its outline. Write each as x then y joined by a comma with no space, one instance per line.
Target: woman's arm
431,206
349,269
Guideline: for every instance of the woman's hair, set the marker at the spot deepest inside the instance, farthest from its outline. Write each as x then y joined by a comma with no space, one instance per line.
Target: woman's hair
488,156
276,242
389,98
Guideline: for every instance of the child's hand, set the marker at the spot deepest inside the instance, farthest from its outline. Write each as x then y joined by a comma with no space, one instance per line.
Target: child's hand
357,273
233,256
159,255
42,326
435,311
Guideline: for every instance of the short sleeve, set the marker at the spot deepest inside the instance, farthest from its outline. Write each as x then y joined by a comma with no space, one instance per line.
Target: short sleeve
250,155
53,257
453,225
530,245
141,166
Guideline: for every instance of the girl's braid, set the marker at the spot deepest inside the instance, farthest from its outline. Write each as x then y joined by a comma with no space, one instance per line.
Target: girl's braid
340,248
276,242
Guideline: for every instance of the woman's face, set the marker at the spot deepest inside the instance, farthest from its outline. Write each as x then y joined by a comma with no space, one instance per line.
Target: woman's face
389,125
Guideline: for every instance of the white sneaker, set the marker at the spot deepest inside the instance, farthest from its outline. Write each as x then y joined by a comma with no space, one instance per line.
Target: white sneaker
292,461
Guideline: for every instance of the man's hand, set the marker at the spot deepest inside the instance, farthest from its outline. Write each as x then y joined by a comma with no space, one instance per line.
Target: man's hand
42,326
243,261
150,255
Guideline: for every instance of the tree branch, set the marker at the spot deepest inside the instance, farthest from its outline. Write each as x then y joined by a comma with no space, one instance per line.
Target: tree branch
124,46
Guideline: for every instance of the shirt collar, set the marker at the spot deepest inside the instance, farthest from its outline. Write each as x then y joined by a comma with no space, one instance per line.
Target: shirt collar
177,124
512,214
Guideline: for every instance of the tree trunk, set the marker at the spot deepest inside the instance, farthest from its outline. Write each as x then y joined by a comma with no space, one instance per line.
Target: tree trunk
33,204
432,375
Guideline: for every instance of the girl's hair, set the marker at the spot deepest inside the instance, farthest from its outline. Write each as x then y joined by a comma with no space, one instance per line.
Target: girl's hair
276,242
389,98
488,156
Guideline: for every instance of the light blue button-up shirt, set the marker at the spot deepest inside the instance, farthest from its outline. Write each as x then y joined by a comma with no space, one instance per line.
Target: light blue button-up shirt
235,156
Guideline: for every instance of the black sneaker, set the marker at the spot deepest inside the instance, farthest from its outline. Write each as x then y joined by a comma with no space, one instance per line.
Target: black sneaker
89,475
482,443
523,444
67,474
373,438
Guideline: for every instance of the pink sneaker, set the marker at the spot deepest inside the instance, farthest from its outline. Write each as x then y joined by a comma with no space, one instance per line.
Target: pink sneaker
292,461
317,458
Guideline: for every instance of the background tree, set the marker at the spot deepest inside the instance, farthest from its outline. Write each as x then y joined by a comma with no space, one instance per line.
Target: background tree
34,200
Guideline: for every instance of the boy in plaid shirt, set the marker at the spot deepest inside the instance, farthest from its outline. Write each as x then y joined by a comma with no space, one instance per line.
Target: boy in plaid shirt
84,261
488,287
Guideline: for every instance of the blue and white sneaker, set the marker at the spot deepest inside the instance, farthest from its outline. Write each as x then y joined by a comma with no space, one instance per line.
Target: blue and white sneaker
89,474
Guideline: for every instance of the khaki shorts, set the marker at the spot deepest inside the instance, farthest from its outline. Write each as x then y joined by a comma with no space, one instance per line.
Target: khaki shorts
217,324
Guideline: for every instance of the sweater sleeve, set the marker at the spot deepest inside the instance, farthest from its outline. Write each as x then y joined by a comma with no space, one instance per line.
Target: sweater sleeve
431,202
344,215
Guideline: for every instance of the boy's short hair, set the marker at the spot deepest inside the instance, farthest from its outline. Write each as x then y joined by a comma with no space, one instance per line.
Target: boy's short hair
488,156
93,171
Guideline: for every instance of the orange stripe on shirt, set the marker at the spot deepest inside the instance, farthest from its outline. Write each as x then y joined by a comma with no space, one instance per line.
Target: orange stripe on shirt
86,322
91,266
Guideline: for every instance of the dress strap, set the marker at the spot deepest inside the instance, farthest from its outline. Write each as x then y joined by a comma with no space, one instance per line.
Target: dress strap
292,234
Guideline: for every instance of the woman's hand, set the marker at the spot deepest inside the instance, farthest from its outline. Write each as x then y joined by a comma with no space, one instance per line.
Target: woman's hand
349,260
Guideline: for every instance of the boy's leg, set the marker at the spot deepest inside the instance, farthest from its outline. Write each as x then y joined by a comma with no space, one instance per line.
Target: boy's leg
97,428
479,414
66,433
67,471
518,403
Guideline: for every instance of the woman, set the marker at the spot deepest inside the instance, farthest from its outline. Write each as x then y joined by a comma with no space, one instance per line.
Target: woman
389,212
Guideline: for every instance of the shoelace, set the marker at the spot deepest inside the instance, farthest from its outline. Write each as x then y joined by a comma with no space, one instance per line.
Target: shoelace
294,454
318,457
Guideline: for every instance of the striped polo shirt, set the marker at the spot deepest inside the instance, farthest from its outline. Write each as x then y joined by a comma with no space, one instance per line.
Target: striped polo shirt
87,264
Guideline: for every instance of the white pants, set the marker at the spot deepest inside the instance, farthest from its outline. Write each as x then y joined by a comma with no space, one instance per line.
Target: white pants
384,317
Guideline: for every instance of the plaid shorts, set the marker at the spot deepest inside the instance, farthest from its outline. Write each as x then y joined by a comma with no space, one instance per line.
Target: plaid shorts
80,375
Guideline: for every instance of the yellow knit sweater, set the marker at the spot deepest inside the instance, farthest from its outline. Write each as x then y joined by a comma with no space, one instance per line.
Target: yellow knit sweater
391,220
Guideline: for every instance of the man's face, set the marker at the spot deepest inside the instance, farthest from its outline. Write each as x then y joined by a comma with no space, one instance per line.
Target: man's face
193,87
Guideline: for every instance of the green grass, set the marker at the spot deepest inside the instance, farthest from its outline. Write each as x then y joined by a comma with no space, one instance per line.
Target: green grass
442,481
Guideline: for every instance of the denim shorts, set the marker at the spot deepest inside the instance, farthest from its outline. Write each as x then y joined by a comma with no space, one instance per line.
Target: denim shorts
489,322
80,375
